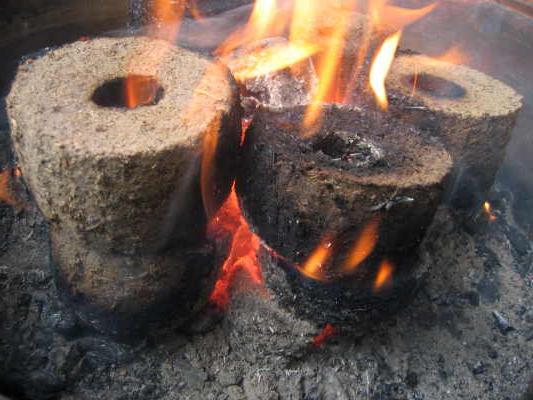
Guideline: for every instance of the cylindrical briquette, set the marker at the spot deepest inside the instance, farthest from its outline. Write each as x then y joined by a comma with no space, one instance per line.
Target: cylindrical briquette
106,177
470,112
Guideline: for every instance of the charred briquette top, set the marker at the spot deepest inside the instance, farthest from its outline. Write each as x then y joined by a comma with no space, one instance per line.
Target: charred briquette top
110,172
359,166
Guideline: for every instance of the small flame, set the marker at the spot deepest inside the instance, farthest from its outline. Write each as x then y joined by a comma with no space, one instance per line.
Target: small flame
314,266
168,14
263,23
7,195
380,68
243,252
487,208
363,245
324,335
384,275
454,55
139,90
207,168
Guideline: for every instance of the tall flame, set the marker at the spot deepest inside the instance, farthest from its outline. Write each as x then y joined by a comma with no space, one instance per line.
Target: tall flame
380,68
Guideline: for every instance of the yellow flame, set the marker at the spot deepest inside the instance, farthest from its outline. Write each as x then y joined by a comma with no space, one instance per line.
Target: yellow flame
380,68
270,59
328,67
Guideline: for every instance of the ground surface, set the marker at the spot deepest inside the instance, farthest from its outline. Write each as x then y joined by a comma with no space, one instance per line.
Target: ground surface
446,345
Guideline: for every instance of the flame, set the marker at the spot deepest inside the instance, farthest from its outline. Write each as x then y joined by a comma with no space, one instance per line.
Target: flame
328,67
243,251
454,55
263,23
7,195
487,209
168,14
207,167
380,68
326,333
363,245
314,266
384,275
244,248
269,60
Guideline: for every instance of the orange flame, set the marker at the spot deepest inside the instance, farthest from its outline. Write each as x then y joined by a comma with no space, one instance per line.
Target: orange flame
380,68
138,90
384,275
329,64
454,55
314,266
207,168
243,251
487,208
6,193
263,23
363,245
326,333
269,60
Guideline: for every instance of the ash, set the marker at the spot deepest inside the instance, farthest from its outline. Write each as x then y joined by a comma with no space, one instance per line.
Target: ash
349,148
468,333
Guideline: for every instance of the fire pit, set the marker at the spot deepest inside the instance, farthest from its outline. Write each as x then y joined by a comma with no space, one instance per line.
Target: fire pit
265,221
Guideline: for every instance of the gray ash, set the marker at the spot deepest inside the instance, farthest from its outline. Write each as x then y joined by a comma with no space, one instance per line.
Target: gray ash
348,147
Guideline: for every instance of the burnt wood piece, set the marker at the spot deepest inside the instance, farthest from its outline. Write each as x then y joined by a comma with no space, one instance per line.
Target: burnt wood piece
360,168
115,178
470,112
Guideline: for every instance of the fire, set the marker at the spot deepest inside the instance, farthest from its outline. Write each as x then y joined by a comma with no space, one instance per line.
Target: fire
314,266
384,275
487,209
326,333
6,193
329,64
269,60
380,68
243,252
168,14
207,167
363,245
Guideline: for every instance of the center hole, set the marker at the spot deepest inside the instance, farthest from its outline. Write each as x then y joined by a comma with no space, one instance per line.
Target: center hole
131,91
436,86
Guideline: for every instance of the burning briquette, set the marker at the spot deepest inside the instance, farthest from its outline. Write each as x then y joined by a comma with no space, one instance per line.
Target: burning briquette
343,210
106,168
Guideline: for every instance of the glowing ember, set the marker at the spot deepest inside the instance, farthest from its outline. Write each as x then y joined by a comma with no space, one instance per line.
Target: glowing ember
487,209
314,267
384,276
326,333
363,245
380,68
243,252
